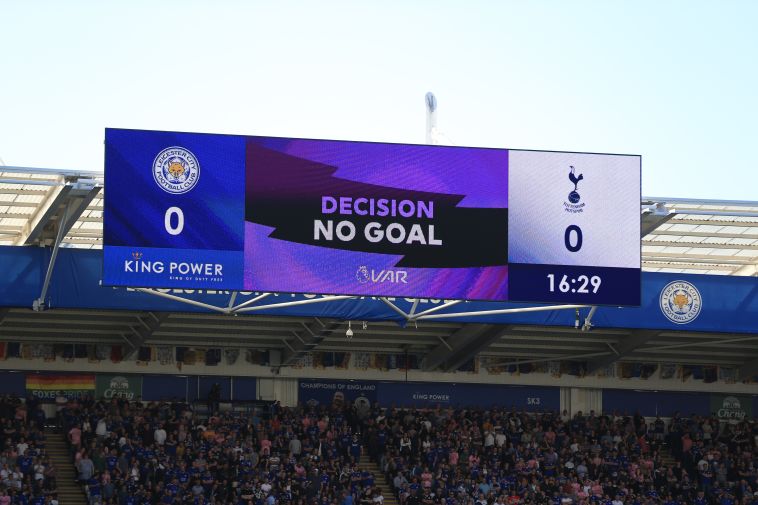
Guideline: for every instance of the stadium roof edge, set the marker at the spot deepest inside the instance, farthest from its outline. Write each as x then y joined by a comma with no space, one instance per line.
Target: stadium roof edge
679,235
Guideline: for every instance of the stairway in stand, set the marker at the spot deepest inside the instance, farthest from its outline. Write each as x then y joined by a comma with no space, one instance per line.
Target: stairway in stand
379,480
666,456
69,491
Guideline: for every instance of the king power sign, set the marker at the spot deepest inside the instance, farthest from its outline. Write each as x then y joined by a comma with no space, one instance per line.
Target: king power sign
126,387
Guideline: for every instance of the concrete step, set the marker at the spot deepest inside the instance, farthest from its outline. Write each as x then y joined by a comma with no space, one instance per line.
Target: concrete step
69,492
387,491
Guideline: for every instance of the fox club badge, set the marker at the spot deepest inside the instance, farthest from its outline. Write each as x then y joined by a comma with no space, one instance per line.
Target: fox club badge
176,170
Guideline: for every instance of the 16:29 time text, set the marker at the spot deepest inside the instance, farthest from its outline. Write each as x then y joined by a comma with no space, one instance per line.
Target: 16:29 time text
582,284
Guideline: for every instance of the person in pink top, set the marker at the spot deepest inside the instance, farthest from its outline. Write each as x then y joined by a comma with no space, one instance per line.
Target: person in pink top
597,489
265,446
426,477
75,436
575,487
453,457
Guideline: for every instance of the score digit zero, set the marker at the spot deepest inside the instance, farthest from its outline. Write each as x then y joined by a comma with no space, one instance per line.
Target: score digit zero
567,238
174,230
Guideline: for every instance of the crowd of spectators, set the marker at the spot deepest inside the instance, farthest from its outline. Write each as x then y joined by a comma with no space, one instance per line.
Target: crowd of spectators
27,476
501,457
164,453
129,453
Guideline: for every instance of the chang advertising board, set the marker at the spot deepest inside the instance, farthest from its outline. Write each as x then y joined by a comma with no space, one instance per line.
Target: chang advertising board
124,387
732,408
358,218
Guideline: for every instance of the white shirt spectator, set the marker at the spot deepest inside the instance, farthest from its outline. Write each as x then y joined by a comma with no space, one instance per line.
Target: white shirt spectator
159,435
295,446
101,429
21,447
15,479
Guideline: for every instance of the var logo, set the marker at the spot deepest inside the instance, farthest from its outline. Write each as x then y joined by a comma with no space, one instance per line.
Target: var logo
364,275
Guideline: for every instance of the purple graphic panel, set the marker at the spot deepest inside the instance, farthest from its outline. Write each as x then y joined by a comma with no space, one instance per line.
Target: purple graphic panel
376,219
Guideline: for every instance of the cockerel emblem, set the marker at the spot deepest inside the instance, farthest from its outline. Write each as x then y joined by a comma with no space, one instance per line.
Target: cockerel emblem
574,195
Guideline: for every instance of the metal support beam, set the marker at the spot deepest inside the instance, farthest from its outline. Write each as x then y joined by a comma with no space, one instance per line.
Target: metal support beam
472,347
231,300
249,302
307,340
40,303
413,308
427,313
175,298
701,343
46,209
462,346
308,301
149,324
434,309
557,357
653,216
625,347
587,326
395,308
58,212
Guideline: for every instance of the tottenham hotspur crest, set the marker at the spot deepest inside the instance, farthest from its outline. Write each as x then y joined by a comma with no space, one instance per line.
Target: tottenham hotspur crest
572,205
176,170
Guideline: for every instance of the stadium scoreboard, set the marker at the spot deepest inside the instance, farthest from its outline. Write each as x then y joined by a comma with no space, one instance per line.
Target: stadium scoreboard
251,213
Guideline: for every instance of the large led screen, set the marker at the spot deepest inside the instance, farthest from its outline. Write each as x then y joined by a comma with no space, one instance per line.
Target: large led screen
358,218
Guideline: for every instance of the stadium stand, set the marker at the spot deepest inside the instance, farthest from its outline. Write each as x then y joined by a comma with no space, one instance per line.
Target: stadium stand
27,475
160,452
114,451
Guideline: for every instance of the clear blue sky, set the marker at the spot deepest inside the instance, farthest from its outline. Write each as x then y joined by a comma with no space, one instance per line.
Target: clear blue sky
674,81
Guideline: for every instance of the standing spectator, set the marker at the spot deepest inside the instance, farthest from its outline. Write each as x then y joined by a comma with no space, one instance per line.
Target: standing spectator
159,435
75,437
86,468
295,446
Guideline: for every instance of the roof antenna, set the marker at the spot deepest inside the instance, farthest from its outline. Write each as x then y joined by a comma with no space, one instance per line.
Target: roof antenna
431,117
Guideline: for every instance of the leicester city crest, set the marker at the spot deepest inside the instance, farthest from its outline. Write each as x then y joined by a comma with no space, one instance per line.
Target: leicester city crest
680,302
176,170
